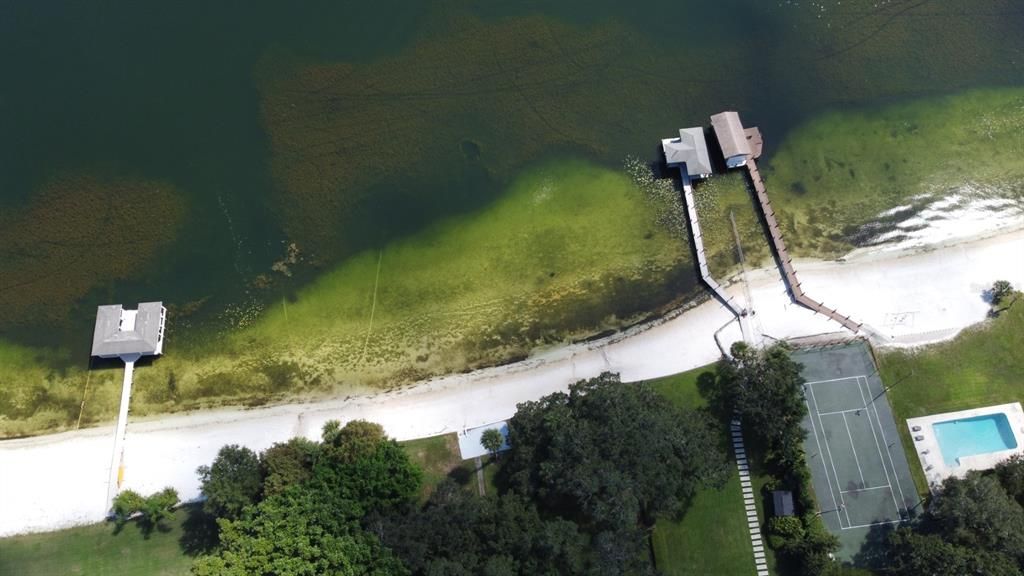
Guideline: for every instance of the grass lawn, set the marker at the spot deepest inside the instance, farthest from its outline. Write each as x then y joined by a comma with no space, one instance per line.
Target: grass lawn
96,551
981,367
712,537
438,457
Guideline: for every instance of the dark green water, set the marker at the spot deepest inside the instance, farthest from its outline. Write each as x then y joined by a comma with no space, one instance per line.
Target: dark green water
185,94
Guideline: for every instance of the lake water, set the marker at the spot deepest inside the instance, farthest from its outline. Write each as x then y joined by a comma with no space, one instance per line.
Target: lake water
178,149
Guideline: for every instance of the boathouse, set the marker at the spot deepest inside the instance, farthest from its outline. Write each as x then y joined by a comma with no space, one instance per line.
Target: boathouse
120,332
732,138
690,149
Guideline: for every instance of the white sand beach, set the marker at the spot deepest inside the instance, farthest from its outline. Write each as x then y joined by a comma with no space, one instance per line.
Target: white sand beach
903,298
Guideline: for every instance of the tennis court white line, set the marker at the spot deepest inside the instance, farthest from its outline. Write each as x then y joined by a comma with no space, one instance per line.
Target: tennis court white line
831,461
881,430
835,505
853,448
839,412
889,486
882,523
831,380
877,447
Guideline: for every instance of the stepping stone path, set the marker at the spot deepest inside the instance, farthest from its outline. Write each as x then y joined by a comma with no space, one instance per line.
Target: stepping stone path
748,498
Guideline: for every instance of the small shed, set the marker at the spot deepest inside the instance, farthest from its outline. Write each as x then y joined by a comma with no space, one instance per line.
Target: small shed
732,138
782,503
120,332
690,149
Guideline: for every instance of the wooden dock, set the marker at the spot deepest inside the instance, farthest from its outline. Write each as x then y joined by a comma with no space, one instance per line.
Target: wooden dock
702,260
783,255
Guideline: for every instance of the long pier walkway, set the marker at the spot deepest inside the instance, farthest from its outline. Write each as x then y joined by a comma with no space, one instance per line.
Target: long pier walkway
702,260
787,262
117,459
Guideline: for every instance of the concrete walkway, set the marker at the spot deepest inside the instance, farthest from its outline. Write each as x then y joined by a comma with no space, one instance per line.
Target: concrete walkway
753,524
702,261
116,459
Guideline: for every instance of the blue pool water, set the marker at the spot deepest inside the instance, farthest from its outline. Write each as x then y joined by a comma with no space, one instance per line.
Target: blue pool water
971,436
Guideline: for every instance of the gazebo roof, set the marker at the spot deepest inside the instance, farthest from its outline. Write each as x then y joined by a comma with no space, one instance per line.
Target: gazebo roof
690,149
119,332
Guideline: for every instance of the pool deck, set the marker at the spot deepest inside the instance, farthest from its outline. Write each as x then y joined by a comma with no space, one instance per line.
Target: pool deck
930,453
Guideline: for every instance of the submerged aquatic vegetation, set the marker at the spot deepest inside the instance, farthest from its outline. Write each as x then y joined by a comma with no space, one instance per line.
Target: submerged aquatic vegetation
78,234
569,250
836,180
349,141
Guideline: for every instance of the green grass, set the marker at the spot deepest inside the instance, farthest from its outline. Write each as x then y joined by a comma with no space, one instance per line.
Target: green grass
437,456
982,366
95,551
712,536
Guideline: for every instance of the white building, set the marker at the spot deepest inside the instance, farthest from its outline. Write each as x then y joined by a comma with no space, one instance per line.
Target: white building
121,332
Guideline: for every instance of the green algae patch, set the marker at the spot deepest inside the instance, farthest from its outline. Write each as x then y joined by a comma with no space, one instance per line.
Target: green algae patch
78,234
570,250
838,180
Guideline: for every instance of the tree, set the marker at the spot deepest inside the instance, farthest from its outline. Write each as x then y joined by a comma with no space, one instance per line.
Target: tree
233,482
287,464
1011,476
353,441
1001,290
492,440
366,466
975,512
298,533
376,481
611,454
152,509
127,503
911,554
459,533
766,389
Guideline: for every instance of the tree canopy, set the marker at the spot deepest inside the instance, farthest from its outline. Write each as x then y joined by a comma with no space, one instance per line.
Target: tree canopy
491,440
612,454
457,533
298,533
766,389
317,498
972,526
233,482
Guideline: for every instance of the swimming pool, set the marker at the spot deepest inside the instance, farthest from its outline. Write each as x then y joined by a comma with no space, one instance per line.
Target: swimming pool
972,436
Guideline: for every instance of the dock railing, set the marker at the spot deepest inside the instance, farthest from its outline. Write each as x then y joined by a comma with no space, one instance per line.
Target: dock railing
785,260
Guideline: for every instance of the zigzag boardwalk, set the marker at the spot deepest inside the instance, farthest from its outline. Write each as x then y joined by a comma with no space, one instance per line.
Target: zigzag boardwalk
787,262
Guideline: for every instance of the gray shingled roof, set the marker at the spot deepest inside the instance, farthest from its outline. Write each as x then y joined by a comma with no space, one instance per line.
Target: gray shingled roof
731,136
110,341
690,149
782,502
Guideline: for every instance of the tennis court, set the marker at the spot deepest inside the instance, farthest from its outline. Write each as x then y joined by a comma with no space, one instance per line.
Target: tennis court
860,473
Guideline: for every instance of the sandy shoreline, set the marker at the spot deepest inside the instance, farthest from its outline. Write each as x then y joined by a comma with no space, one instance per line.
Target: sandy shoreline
904,299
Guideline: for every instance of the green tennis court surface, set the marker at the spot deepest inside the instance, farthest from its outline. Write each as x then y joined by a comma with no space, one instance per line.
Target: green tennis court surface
859,470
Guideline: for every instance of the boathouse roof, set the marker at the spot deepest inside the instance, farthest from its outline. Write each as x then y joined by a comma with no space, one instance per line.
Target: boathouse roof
731,136
691,149
119,331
